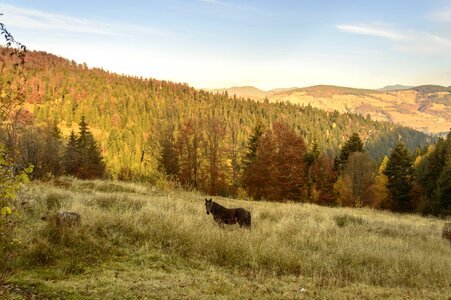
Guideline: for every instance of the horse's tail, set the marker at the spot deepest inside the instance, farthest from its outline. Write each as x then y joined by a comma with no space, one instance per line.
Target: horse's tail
248,219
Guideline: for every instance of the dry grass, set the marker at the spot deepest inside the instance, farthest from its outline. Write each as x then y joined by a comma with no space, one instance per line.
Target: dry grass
137,241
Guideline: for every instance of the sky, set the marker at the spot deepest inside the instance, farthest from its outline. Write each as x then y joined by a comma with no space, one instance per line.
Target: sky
266,44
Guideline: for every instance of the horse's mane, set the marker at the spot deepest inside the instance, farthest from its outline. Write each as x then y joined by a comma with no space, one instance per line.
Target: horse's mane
215,207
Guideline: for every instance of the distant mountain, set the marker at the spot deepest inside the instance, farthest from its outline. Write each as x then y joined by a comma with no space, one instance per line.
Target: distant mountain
330,90
426,108
242,92
431,88
396,87
251,92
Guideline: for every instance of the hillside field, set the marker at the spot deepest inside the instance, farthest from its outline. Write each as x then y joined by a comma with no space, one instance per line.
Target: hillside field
152,242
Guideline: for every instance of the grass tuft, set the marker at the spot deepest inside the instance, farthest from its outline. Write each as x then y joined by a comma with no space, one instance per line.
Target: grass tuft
344,220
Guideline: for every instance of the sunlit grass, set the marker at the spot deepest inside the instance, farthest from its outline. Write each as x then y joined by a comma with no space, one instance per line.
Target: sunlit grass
137,241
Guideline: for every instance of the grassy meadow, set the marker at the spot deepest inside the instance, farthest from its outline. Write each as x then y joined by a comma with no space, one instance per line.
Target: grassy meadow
146,242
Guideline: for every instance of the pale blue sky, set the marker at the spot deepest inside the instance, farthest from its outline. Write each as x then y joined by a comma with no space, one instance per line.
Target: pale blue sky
268,44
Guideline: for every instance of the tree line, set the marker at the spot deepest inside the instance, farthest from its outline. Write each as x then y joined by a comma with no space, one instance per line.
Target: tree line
145,129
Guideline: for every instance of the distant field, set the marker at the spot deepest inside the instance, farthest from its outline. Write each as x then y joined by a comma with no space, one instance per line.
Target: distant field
140,241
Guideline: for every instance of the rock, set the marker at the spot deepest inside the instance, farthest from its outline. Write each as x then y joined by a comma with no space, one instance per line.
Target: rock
64,219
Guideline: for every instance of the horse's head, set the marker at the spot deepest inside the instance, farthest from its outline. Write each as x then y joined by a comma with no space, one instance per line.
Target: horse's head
208,205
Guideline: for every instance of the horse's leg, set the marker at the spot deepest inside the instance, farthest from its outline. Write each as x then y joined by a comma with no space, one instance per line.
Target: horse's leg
220,223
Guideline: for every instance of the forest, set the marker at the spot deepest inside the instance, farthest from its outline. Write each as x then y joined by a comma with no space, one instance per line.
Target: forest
90,123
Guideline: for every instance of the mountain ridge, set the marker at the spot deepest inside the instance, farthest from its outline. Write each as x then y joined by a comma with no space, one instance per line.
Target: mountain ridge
426,107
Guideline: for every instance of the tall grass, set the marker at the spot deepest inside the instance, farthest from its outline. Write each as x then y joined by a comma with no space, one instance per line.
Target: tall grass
332,246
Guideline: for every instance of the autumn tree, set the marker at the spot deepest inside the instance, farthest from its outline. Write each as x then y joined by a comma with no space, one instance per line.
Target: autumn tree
13,88
323,177
216,154
168,161
278,173
11,97
42,147
189,142
357,177
379,194
400,175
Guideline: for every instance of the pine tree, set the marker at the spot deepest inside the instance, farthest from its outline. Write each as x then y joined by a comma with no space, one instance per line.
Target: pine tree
71,156
310,158
434,175
354,144
248,162
400,175
253,143
91,161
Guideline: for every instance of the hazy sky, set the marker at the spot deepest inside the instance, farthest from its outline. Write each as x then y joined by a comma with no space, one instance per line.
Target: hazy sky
267,44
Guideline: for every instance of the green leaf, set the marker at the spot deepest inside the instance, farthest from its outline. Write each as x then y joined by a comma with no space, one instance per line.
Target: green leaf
29,169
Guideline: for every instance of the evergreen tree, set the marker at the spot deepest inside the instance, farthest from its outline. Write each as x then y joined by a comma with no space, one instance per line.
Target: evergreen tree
91,161
400,175
251,155
434,177
310,158
253,143
71,156
354,144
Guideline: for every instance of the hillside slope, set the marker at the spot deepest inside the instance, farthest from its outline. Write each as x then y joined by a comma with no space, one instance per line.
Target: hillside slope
425,108
139,241
130,116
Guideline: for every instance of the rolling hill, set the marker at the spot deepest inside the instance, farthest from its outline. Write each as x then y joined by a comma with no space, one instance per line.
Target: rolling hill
426,108
131,116
395,87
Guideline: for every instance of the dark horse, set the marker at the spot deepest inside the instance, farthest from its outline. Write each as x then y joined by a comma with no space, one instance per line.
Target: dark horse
229,216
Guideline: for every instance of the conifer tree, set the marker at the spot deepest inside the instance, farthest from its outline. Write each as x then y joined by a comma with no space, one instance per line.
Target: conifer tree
71,156
310,158
91,161
253,143
400,175
434,175
354,144
251,155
